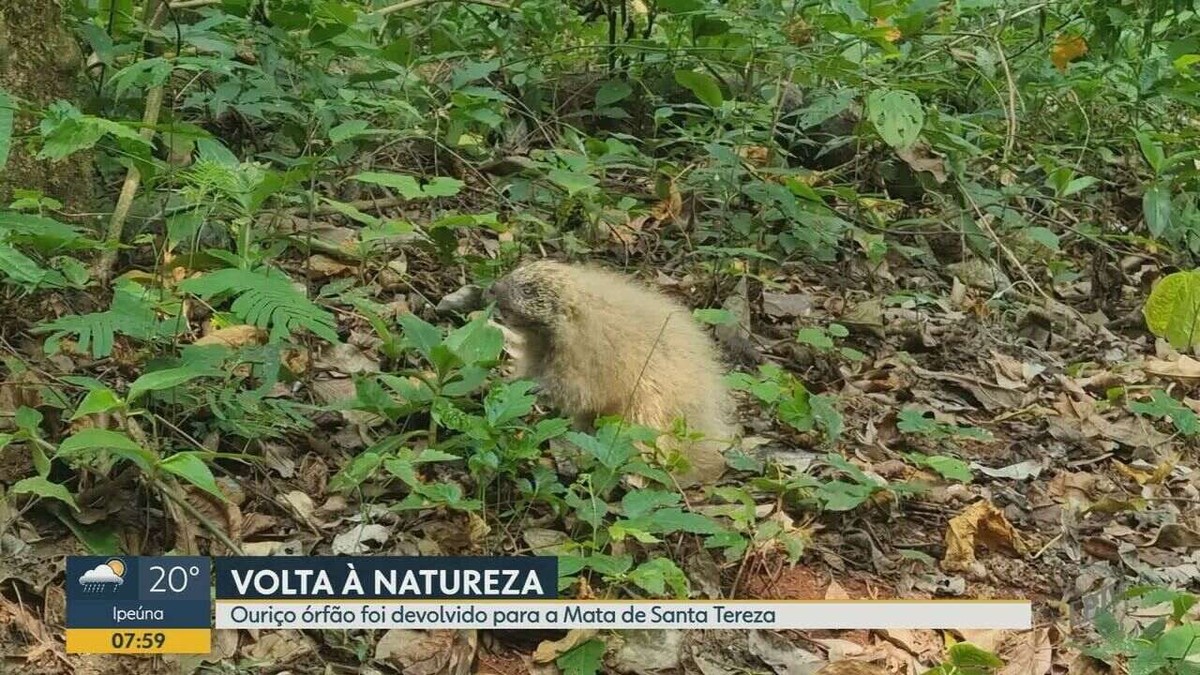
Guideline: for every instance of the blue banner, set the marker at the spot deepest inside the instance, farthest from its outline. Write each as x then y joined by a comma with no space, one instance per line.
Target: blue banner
139,592
386,577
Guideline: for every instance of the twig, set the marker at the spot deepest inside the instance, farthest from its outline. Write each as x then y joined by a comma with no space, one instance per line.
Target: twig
192,4
1011,140
116,224
409,4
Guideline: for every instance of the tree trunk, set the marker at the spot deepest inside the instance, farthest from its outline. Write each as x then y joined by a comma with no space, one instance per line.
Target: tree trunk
40,63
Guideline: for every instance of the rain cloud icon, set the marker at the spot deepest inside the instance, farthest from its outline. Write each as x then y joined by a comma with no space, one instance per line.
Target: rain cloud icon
106,576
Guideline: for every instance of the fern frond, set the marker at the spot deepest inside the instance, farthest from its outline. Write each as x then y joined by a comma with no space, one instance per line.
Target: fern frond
131,314
266,299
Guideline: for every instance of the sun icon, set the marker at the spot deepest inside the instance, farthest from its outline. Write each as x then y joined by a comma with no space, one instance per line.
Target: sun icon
117,566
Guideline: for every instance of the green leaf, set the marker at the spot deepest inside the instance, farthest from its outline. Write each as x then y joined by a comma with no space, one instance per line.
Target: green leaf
409,188
6,126
442,186
668,521
842,496
654,575
406,185
348,130
264,299
815,337
508,402
476,342
703,85
97,401
638,503
951,468
38,485
1156,208
1152,151
22,269
583,659
420,334
825,413
1043,236
190,467
165,379
897,115
967,655
89,441
573,182
612,92
716,317
1173,309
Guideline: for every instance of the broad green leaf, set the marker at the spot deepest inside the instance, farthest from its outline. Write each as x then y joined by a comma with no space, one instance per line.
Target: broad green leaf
825,413
348,130
508,402
654,575
950,468
815,337
1173,309
88,441
37,485
667,521
637,503
1152,151
897,115
1077,185
24,270
406,185
613,91
573,182
420,334
164,379
842,496
703,85
678,6
583,659
1043,236
97,401
716,317
477,342
1156,208
442,186
190,467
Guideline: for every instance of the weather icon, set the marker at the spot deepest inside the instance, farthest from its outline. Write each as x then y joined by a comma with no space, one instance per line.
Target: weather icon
107,576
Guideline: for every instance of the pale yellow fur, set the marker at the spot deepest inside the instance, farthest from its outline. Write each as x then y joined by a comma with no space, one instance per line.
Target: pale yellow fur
616,347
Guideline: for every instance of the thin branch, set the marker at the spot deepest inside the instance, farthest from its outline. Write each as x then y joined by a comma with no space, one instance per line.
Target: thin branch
409,4
192,4
116,224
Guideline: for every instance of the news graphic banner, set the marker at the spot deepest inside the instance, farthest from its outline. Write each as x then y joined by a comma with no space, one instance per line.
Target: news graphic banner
139,605
164,604
521,593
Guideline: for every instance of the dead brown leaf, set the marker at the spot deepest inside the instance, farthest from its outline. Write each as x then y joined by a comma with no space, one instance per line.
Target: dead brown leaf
429,652
550,650
1031,655
980,524
234,336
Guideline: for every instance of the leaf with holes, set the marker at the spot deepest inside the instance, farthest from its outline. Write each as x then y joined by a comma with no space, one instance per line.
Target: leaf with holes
1173,309
897,116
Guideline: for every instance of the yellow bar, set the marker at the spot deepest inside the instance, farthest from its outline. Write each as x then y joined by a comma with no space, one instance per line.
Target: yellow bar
139,641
